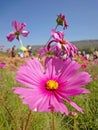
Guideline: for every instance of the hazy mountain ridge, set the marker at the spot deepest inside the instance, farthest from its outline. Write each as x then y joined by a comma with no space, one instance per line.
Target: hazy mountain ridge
86,43
80,44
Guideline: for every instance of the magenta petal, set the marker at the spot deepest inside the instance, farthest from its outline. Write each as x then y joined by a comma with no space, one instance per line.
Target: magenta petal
34,75
58,36
23,92
28,79
85,90
69,70
57,68
11,36
18,26
25,33
75,92
78,80
44,105
58,105
29,96
75,105
50,68
22,26
35,66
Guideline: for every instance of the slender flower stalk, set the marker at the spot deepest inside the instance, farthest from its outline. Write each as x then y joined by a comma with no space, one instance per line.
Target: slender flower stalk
13,119
20,41
28,121
51,36
75,124
53,124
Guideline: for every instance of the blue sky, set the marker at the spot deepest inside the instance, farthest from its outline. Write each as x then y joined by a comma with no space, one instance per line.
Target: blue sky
40,17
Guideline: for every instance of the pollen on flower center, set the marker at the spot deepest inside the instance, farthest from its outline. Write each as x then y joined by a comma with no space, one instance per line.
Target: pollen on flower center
51,85
63,41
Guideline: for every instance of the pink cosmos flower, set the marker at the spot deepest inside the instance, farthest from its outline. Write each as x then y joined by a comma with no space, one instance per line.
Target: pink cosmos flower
2,65
64,45
19,30
61,20
44,50
54,50
47,87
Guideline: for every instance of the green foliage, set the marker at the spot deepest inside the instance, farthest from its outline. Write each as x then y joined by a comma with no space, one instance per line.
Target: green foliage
13,114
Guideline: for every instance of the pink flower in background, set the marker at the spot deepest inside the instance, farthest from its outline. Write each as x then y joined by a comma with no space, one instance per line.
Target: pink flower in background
2,65
47,87
67,47
18,30
61,20
53,50
44,51
83,66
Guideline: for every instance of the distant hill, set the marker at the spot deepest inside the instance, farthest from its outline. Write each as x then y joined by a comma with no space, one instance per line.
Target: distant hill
82,45
86,43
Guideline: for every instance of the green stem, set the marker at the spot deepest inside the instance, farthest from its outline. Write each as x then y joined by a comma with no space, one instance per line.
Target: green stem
27,122
13,119
20,41
51,36
75,124
53,126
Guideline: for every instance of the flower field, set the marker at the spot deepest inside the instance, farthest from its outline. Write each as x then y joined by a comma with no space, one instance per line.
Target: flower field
56,89
16,116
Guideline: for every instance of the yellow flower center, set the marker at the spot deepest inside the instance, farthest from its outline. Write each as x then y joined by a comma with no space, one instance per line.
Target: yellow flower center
51,85
63,41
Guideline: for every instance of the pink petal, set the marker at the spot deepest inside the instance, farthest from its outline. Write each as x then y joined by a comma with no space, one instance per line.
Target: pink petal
50,68
25,33
75,92
32,97
74,105
11,36
18,26
23,92
69,70
44,105
58,105
79,80
34,75
57,35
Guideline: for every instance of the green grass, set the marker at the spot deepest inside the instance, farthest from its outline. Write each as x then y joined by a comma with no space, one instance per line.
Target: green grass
11,105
